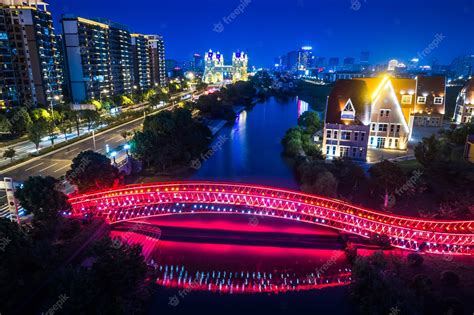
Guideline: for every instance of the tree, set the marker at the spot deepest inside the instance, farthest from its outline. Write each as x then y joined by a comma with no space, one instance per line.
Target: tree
386,177
20,121
5,125
92,118
125,134
324,185
311,122
36,131
9,154
41,196
92,171
170,138
427,151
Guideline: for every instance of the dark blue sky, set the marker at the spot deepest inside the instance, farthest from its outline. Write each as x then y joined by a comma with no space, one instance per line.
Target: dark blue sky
268,28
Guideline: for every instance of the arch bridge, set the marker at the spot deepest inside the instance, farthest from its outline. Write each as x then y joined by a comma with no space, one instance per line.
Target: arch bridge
169,198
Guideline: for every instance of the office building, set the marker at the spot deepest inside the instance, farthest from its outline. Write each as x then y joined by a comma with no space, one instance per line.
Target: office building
464,111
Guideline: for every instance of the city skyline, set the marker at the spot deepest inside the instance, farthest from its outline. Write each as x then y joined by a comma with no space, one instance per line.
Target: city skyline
387,33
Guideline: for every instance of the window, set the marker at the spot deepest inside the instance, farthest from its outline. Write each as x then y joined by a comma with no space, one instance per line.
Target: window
396,143
335,134
348,113
438,100
406,99
421,100
356,136
392,128
344,152
345,135
398,128
328,134
371,140
373,127
333,150
385,112
380,142
382,127
354,151
390,142
361,151
362,136
328,148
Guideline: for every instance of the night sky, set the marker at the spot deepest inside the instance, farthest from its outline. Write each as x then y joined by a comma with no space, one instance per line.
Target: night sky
268,28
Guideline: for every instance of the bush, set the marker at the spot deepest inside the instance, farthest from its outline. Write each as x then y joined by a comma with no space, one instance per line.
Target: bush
415,259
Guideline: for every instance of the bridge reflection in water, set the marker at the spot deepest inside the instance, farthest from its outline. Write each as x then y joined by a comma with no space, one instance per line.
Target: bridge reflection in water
273,256
162,199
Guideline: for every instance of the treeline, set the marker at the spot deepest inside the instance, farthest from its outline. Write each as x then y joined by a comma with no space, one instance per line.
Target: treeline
48,264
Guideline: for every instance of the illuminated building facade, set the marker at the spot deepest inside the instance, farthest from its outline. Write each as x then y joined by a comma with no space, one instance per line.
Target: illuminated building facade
88,58
141,62
347,124
30,73
239,66
464,112
216,72
120,58
157,59
386,109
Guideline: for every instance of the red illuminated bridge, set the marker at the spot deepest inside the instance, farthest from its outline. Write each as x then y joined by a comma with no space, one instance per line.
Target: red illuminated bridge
158,199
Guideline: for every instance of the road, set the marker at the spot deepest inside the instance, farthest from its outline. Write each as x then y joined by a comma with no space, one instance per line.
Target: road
58,162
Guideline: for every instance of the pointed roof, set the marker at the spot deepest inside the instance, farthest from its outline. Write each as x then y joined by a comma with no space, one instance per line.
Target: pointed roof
348,92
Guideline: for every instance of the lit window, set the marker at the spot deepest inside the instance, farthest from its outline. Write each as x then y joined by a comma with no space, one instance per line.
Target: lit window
438,100
421,100
382,127
406,99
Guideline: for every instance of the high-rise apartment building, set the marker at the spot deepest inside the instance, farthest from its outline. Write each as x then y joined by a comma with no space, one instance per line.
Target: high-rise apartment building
141,62
30,73
157,59
87,56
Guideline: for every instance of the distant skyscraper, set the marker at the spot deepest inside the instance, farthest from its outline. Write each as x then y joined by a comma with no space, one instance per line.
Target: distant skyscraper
292,59
30,69
349,64
333,63
305,58
463,66
198,63
364,58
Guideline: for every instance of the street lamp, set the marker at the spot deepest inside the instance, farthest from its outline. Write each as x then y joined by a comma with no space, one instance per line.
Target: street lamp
127,147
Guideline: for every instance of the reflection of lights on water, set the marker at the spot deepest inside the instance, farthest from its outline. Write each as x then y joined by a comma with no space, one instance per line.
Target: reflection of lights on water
225,281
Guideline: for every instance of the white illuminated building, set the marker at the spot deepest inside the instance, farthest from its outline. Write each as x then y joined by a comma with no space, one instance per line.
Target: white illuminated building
216,71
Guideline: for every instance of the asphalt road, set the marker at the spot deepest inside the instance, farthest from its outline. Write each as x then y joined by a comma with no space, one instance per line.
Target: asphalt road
57,163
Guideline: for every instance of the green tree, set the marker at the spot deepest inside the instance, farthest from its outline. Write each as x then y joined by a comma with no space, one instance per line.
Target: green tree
9,154
41,196
386,177
5,125
20,121
170,138
92,171
91,117
311,122
324,185
36,131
